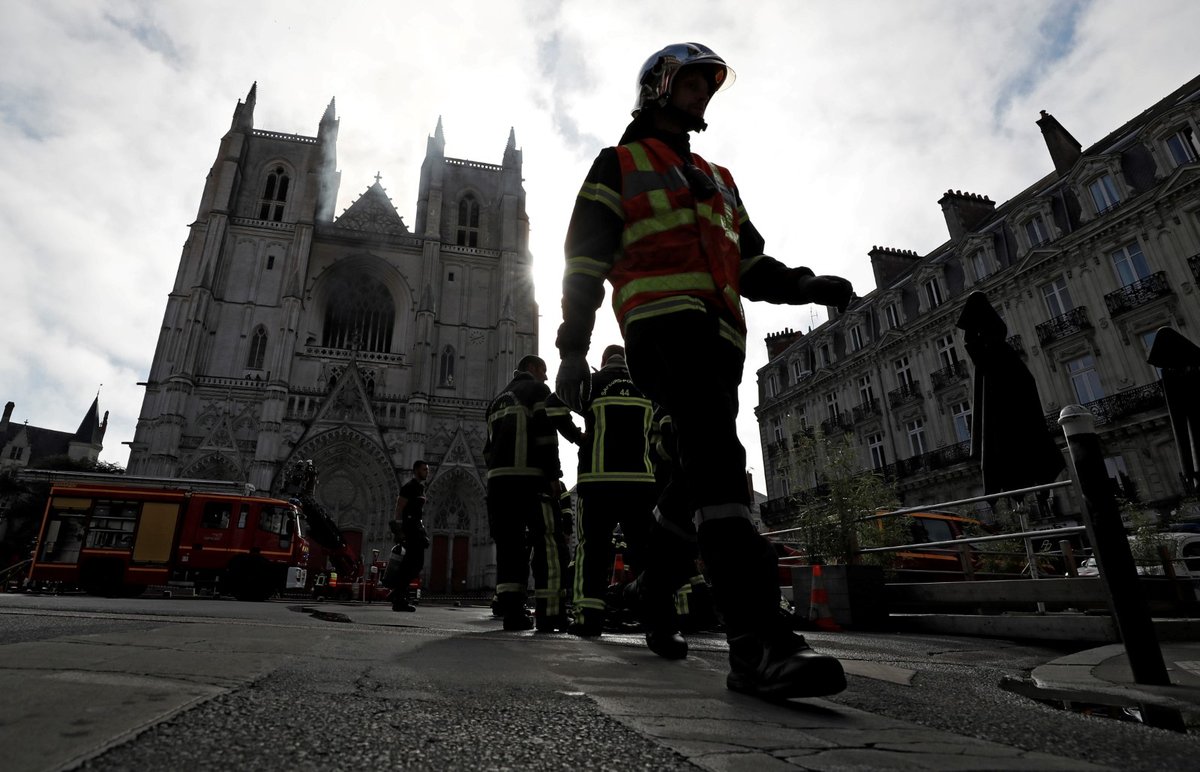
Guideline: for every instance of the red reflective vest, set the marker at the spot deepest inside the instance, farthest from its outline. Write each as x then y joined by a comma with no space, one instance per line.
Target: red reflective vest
677,252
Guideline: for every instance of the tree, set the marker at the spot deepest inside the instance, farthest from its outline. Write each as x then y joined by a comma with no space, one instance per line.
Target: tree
835,517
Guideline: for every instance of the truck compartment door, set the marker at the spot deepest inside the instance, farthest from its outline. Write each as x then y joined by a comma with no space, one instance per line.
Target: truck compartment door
156,532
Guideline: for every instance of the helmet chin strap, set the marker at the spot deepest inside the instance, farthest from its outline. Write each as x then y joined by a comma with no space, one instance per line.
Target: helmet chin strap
685,119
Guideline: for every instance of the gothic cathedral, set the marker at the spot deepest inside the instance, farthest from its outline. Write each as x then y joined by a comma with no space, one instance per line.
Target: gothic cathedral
353,341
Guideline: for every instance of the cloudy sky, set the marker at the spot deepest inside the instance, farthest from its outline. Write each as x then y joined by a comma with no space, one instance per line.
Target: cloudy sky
846,124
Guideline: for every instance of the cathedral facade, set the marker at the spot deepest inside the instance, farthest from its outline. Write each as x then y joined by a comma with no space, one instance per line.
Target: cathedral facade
353,341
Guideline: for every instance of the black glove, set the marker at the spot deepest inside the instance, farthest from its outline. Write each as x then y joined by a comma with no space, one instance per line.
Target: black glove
827,290
573,381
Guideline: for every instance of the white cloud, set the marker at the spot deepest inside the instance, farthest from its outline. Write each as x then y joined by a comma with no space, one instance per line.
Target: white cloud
846,124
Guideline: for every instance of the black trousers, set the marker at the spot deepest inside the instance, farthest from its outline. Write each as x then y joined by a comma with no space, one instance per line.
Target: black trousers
682,362
600,508
522,519
409,568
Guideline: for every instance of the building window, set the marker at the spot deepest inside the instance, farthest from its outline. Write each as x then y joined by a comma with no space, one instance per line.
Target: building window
772,385
875,445
802,416
933,293
826,355
1036,231
16,452
866,392
916,436
468,222
777,428
1130,264
275,191
947,353
832,408
1104,193
1183,146
961,415
258,349
1084,379
270,262
903,372
892,315
856,338
1147,339
447,370
1058,297
980,263
359,314
798,371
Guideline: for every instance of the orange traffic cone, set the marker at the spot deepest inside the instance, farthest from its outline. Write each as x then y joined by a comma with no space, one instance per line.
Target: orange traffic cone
618,574
818,608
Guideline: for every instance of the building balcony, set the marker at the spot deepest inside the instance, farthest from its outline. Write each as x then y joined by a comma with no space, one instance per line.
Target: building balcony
776,447
1121,405
1194,264
929,461
836,424
950,375
1138,294
1016,344
865,410
1064,326
909,392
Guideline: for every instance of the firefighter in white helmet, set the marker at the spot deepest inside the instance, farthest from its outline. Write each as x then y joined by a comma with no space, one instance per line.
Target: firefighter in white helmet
668,231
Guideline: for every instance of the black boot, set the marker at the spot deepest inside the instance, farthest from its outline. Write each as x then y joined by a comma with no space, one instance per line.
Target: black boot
780,665
400,601
668,644
589,623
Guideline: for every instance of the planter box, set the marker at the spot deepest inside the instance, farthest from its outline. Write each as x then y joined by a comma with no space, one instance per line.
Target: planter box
857,598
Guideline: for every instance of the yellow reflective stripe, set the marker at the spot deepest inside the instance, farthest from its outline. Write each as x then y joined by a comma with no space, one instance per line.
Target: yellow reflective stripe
603,195
747,265
521,441
731,334
641,161
675,282
663,306
553,590
515,471
639,477
509,587
661,222
586,266
577,583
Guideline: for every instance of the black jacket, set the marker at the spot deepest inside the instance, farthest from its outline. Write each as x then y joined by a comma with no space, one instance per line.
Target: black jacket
619,418
521,441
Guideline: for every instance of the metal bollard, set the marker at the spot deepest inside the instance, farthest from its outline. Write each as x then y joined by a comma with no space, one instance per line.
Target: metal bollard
1115,560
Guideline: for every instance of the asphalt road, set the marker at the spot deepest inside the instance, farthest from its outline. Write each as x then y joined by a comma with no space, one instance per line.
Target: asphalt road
149,684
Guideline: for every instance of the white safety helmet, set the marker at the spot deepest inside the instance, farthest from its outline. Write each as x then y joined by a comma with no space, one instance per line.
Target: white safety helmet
654,81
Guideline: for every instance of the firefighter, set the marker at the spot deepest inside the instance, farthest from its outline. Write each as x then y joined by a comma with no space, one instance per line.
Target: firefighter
668,230
615,487
410,533
522,487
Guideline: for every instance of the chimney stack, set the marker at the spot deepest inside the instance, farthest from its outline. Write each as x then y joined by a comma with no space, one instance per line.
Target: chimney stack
889,264
777,342
965,212
1064,149
8,408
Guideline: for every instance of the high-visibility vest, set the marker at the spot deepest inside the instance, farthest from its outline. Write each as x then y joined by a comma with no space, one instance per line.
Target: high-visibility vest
677,252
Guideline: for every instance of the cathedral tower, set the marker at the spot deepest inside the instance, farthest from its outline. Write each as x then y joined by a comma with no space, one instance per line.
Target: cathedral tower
350,340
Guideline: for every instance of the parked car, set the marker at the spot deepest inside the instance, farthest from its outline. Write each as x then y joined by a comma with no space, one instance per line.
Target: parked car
1182,547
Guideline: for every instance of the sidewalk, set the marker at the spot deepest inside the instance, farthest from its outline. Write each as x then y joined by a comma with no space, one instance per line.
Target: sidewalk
1103,675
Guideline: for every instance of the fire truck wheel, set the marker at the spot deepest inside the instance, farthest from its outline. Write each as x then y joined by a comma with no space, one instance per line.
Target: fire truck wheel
102,577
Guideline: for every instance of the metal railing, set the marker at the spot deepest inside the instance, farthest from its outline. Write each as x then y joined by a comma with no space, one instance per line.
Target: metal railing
950,374
1137,294
908,392
1064,325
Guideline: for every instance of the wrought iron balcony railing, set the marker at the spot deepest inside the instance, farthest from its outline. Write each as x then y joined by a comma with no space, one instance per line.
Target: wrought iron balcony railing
1016,344
909,392
1138,294
775,447
1121,405
950,374
865,410
835,424
1194,264
1063,326
929,461
804,433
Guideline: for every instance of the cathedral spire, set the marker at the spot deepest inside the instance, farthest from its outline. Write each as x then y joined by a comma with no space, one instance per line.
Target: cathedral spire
243,114
512,156
437,143
330,115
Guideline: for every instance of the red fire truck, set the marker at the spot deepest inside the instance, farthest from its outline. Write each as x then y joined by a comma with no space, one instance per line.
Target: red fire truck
116,535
